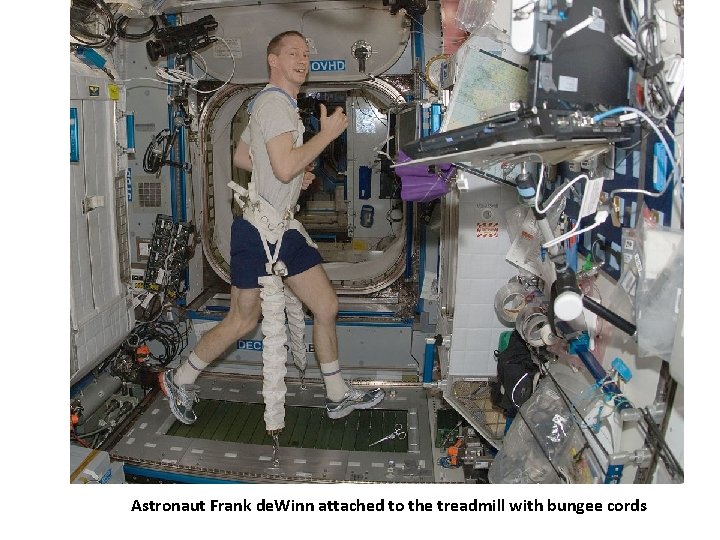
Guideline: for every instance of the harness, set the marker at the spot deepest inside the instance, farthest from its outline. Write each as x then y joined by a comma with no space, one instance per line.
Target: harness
277,302
270,223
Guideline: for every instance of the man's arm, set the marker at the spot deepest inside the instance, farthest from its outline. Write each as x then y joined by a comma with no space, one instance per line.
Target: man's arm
287,162
241,158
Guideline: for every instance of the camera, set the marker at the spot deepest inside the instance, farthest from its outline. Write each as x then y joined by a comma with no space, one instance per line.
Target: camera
182,39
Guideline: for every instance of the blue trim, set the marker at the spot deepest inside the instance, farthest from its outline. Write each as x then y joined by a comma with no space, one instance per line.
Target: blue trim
366,313
271,89
435,117
614,474
130,129
181,159
208,315
173,206
429,360
418,45
526,192
223,309
175,477
183,201
203,316
405,324
74,136
600,375
79,386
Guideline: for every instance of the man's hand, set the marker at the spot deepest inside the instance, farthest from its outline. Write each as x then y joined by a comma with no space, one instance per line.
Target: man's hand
334,124
308,178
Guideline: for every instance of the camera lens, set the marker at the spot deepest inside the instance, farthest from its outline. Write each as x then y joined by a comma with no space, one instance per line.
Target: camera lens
155,49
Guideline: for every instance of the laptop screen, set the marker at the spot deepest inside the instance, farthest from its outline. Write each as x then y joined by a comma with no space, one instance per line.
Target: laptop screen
586,69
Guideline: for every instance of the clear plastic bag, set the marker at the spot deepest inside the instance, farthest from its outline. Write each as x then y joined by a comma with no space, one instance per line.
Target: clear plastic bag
474,14
140,9
542,444
659,292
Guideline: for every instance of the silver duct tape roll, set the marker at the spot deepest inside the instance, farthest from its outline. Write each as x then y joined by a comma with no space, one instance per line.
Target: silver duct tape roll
547,336
509,302
530,322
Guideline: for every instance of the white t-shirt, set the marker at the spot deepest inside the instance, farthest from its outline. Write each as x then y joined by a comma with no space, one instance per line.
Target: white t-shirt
273,114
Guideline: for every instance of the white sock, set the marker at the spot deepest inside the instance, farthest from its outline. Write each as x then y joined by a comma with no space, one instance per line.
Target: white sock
189,370
335,386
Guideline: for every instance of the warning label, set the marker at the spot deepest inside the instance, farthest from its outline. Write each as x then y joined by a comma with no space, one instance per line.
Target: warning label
488,229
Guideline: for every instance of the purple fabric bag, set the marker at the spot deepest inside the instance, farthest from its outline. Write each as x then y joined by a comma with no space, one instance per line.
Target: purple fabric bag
420,182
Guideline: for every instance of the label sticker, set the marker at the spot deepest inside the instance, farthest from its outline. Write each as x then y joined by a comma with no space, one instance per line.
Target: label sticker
93,91
599,23
327,65
224,49
488,229
250,344
638,263
567,84
113,92
128,182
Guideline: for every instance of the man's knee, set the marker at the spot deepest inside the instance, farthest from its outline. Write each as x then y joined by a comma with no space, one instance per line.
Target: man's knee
327,312
241,323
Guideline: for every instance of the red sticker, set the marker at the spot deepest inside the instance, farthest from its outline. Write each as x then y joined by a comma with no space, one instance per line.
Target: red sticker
488,230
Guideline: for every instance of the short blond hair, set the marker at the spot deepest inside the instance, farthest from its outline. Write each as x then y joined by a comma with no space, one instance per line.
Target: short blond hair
276,42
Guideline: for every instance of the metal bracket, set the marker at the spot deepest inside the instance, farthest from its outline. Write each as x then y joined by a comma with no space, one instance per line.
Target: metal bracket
361,50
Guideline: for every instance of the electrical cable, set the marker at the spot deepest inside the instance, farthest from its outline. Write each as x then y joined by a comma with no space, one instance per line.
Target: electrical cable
482,174
74,437
122,22
623,13
512,393
600,218
181,77
618,110
656,92
165,333
96,432
153,158
85,14
558,194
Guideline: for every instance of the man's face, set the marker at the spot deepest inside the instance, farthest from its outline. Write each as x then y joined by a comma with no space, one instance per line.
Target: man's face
292,61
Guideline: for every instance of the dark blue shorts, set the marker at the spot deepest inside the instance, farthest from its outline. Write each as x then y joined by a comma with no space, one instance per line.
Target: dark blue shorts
247,255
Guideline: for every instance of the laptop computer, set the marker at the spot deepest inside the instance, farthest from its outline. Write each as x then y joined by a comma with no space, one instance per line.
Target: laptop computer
587,73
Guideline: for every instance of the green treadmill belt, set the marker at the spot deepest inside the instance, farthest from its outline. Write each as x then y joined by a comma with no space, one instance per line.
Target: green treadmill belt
305,427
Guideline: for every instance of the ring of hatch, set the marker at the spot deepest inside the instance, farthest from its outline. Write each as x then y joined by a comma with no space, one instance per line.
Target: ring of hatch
370,270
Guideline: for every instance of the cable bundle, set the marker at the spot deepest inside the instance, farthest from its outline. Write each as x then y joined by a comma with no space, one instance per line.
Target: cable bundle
92,23
165,333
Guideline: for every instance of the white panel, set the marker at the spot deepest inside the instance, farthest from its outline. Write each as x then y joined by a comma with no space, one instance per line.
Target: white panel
99,118
332,26
482,270
82,305
100,314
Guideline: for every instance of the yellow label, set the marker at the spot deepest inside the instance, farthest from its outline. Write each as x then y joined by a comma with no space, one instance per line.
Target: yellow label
360,245
113,92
